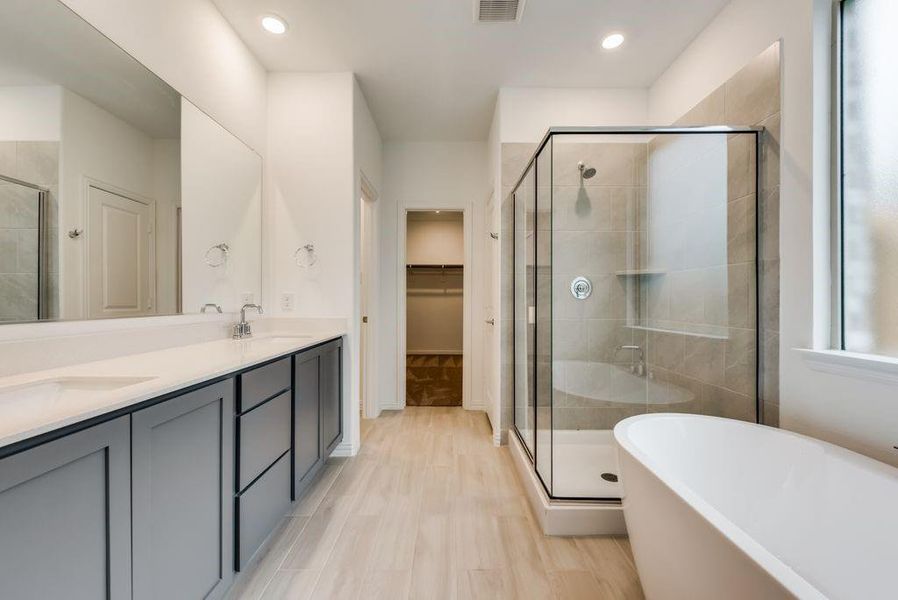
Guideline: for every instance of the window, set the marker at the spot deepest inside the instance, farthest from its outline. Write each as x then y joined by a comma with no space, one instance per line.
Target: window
869,176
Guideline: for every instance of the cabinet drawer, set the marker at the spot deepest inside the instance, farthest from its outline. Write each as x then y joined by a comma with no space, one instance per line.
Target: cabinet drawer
261,507
264,434
263,383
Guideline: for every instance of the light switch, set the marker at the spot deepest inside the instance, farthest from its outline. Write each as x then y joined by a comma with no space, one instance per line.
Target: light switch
287,301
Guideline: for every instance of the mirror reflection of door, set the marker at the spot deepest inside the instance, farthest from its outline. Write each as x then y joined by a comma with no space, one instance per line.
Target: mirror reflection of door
120,266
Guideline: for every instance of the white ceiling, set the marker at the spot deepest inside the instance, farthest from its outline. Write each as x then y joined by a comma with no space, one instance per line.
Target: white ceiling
430,73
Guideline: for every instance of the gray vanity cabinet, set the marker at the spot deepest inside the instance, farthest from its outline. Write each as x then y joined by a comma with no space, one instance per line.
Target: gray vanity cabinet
331,382
262,494
306,433
317,410
65,517
182,486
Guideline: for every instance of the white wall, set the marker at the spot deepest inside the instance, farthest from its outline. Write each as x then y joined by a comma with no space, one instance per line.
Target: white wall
526,113
311,190
430,175
190,45
101,147
167,192
435,298
321,141
221,188
30,113
435,240
368,172
845,408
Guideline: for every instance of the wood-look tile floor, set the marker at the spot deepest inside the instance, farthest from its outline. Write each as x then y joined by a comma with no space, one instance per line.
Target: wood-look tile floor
429,509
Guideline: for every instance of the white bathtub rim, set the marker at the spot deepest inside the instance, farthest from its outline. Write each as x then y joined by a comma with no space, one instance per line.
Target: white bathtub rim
776,568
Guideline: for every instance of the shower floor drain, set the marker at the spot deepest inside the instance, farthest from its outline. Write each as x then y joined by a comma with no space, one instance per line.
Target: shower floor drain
609,477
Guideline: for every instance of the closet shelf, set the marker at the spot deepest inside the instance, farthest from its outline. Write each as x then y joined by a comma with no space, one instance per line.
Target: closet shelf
440,267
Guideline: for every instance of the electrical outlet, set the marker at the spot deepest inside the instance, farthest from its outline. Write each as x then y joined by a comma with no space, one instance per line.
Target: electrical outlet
247,298
287,301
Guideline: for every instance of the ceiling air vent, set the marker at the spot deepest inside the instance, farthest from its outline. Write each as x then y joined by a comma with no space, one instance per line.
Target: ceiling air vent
498,11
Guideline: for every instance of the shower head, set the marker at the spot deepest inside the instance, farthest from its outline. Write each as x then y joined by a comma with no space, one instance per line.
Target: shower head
586,172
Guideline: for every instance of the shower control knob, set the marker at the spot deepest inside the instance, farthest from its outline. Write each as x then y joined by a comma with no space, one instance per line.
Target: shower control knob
581,288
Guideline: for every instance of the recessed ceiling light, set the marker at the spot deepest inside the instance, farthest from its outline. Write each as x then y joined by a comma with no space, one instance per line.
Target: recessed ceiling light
273,24
610,42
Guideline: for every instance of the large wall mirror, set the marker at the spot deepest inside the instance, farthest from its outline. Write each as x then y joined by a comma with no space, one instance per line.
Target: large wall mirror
118,198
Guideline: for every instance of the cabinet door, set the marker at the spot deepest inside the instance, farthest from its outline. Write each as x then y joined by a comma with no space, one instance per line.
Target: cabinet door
306,434
182,486
331,397
65,517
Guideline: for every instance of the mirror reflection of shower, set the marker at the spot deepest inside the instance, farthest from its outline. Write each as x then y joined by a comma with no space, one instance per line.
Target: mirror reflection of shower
586,172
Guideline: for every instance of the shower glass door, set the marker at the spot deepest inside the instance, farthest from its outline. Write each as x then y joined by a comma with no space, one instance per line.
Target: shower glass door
636,284
21,245
525,310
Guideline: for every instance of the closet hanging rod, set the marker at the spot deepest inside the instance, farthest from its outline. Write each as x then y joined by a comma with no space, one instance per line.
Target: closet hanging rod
422,266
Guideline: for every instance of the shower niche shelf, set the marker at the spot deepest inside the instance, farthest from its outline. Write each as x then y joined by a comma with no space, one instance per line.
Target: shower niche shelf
698,334
640,272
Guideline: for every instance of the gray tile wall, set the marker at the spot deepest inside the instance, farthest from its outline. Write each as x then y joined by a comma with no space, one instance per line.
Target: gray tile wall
37,163
750,97
597,226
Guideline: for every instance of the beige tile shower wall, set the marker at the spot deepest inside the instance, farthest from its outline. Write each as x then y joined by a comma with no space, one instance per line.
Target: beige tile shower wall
597,225
36,163
719,369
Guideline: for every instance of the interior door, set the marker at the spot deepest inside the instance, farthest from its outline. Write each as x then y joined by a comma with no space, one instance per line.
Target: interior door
491,301
120,269
364,332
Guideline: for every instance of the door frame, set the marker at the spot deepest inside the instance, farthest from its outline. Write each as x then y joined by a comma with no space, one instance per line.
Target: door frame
492,252
468,402
86,184
371,244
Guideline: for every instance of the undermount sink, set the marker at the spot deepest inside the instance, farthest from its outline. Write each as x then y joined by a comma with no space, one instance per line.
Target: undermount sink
53,388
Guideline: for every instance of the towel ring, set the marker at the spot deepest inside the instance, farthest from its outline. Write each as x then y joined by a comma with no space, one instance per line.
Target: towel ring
305,256
217,255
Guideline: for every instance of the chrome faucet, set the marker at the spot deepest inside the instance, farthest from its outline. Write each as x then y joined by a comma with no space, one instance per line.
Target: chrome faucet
639,367
244,329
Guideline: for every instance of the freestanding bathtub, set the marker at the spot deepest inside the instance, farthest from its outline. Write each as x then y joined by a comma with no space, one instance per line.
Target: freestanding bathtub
719,509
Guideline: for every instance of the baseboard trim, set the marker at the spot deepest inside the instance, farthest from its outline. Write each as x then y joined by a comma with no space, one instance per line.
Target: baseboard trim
344,450
565,518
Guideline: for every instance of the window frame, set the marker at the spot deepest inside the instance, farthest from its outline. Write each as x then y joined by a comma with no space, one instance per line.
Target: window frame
837,255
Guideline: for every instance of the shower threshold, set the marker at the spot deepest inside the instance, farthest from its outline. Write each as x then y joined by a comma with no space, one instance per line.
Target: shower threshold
565,517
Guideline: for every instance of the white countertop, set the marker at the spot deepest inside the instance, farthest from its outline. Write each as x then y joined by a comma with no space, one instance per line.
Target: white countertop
42,401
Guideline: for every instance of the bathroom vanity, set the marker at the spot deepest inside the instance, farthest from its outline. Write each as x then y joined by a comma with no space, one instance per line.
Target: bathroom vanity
160,487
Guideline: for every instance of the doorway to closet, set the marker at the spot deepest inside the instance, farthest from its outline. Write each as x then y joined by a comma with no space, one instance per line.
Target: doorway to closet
435,257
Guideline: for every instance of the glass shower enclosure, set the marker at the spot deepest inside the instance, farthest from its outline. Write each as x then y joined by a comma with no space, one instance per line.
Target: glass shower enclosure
635,290
24,242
